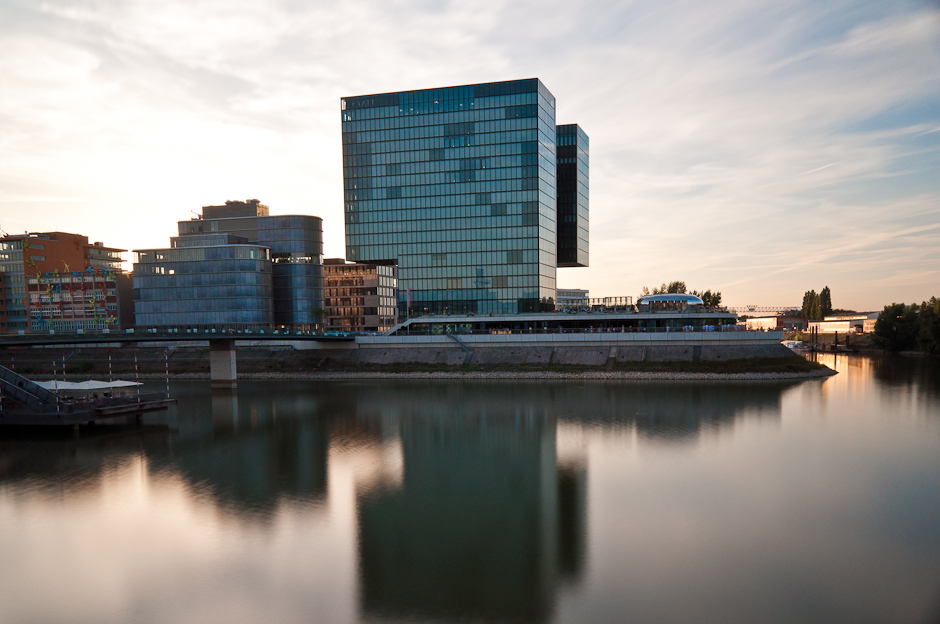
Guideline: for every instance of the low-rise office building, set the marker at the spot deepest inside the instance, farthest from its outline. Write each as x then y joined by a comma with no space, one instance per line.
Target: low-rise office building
296,244
209,279
360,296
58,280
572,298
785,322
858,323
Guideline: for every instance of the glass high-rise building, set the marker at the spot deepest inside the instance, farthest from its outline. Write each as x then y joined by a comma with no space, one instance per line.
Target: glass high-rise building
572,175
458,187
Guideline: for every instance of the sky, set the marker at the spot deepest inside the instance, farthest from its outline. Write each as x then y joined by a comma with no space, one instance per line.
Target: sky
759,148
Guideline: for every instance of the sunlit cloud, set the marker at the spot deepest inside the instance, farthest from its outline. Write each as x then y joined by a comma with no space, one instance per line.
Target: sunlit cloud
737,147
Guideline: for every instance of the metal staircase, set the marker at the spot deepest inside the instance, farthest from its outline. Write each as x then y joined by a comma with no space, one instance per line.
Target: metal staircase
469,357
24,391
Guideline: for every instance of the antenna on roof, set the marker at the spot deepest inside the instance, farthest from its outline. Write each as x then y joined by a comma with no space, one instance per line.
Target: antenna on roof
198,216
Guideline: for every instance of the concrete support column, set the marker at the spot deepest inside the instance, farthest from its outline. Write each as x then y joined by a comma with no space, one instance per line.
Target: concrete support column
222,363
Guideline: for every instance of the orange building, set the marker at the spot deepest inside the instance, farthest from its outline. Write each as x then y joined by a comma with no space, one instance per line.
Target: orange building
57,280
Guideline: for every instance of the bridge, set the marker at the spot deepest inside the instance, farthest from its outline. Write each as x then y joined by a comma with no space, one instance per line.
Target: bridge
222,363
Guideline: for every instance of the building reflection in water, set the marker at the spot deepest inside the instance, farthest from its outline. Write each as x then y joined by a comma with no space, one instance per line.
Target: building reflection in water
467,507
483,524
489,518
236,450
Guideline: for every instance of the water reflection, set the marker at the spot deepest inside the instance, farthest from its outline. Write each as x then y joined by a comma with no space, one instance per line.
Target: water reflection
464,500
484,524
920,373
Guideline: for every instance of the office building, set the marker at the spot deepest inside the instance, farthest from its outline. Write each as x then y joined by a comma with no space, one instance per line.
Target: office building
572,173
206,279
863,322
296,244
779,322
458,186
572,298
60,281
359,296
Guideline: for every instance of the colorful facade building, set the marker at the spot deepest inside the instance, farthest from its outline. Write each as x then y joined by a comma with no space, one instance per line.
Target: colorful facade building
60,281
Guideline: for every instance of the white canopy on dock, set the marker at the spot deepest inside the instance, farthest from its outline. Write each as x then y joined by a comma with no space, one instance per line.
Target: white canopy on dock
86,385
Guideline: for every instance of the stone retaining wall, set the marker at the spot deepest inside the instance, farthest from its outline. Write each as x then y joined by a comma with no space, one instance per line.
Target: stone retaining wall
581,356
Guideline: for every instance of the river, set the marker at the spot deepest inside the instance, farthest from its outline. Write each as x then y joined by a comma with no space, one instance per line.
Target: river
502,501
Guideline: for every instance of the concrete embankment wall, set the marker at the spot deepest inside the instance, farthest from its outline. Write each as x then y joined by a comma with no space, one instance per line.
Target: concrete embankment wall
582,356
544,349
522,349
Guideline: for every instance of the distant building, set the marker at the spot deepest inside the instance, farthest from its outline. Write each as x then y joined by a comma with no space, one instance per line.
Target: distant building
58,280
360,296
207,279
858,323
572,298
785,322
296,244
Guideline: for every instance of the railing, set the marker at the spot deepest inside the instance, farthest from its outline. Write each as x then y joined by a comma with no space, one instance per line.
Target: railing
22,390
607,305
455,330
173,332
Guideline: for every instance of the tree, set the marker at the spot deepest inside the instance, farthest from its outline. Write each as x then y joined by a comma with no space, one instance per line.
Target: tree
318,314
897,328
812,306
711,299
825,302
928,336
675,287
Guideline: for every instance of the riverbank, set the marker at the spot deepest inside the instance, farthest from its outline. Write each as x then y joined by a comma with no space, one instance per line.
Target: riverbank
733,370
527,375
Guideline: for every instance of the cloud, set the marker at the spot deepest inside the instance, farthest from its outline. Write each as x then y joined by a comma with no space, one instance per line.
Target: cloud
705,121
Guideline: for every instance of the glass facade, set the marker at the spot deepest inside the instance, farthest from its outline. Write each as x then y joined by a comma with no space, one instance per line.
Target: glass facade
212,285
13,315
458,186
572,159
296,244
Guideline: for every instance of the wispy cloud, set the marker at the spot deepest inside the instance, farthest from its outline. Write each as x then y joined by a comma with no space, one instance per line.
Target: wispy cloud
705,123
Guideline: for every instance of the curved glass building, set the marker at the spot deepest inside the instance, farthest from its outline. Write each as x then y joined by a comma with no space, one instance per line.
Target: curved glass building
205,280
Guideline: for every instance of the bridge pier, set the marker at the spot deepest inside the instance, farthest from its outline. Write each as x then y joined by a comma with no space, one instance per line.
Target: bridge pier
222,363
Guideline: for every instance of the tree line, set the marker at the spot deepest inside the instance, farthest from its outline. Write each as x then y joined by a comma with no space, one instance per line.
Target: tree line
709,298
903,327
817,306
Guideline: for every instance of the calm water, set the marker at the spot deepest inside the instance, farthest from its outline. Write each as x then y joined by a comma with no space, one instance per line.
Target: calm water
377,501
